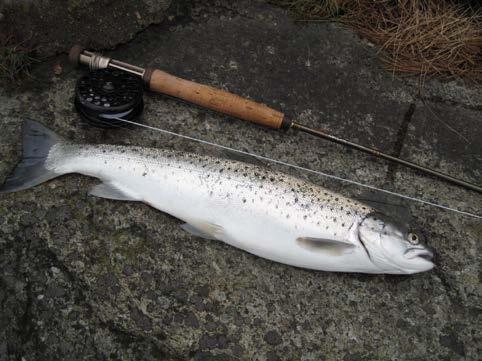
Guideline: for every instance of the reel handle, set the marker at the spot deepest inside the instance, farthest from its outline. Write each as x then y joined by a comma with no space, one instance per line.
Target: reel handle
215,99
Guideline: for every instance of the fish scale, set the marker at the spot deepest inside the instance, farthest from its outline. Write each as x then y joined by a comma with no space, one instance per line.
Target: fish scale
217,191
264,212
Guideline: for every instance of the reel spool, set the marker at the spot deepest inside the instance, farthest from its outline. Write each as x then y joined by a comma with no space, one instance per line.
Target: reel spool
103,96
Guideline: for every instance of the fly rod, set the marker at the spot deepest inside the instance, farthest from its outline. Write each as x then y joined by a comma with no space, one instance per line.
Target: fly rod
227,103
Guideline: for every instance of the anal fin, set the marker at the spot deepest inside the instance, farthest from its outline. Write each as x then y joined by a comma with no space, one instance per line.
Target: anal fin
111,191
204,229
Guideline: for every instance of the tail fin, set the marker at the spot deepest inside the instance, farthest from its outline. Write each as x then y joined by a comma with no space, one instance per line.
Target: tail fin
37,142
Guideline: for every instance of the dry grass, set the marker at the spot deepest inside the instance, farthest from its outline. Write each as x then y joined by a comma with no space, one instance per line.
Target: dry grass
424,37
15,58
312,9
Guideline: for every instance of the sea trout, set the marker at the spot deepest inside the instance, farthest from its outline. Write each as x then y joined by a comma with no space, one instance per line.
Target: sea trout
266,213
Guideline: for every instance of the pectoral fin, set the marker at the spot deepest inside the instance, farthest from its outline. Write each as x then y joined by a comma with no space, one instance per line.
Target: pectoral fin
329,246
204,230
111,191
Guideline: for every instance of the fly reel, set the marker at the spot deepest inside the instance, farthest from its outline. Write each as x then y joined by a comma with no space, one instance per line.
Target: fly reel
104,97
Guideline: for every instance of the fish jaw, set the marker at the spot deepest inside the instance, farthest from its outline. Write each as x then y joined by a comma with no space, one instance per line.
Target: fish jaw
420,260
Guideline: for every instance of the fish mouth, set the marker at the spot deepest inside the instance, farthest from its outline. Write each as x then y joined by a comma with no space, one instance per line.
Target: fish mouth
419,260
423,253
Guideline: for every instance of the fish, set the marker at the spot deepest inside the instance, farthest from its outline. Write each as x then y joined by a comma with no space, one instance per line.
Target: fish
264,212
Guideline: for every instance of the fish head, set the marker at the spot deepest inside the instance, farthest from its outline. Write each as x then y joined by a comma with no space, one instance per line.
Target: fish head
391,247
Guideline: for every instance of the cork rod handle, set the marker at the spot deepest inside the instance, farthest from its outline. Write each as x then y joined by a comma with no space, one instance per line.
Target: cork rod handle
214,99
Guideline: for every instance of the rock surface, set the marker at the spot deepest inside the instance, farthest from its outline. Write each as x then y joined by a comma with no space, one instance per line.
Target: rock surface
83,278
53,26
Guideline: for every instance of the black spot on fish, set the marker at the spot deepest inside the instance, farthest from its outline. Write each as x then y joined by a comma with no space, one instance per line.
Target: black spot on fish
144,174
271,179
244,200
296,200
305,216
343,224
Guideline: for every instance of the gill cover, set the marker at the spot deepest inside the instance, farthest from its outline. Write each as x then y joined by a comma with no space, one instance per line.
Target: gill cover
391,247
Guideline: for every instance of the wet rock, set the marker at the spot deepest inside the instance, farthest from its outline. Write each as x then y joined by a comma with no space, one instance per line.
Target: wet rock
141,320
273,338
272,356
450,341
213,341
55,27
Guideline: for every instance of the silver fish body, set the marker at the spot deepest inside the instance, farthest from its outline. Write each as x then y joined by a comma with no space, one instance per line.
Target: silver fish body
266,213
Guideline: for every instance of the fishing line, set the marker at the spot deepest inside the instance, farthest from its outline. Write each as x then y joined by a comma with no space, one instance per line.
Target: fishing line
328,175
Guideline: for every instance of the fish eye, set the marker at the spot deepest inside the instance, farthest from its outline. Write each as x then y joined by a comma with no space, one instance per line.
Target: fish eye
413,238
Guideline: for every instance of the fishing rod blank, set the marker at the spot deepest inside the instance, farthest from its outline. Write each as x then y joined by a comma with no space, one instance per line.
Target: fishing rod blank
224,102
377,153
